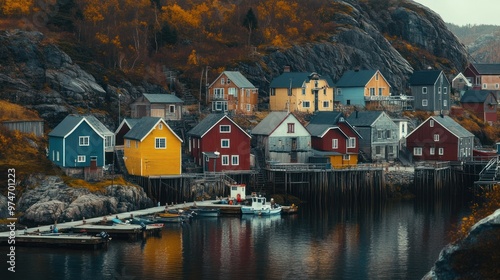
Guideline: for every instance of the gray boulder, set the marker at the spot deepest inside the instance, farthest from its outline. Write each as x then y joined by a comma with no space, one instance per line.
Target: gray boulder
41,213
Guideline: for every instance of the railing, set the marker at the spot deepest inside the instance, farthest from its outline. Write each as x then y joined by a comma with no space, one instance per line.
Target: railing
493,161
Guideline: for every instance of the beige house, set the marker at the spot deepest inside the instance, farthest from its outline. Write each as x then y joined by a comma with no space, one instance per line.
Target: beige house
166,106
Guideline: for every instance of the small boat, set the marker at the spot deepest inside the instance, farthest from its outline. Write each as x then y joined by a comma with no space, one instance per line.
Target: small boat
170,218
146,221
289,209
261,207
206,212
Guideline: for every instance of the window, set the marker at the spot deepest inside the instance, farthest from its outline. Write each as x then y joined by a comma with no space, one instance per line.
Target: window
108,141
57,155
81,159
225,160
306,104
273,92
235,160
424,102
303,91
171,109
218,93
436,137
127,143
445,103
439,90
249,107
136,144
248,93
219,106
222,81
291,128
431,123
228,81
445,90
326,104
372,91
53,155
339,91
84,140
346,157
388,134
485,86
335,143
224,128
441,151
224,143
432,151
380,91
403,128
232,91
376,77
417,151
496,86
378,150
160,143
351,142
424,90
160,126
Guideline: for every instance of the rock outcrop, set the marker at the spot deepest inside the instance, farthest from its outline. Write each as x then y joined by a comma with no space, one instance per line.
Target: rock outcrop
474,257
49,200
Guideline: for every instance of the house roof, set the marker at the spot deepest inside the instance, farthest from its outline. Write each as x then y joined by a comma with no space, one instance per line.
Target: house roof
144,127
269,123
355,78
162,98
425,77
476,96
448,124
130,122
71,122
323,121
485,69
364,118
296,80
237,78
464,79
208,123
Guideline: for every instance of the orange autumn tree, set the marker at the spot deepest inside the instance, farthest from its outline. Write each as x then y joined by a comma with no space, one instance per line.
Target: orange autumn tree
16,7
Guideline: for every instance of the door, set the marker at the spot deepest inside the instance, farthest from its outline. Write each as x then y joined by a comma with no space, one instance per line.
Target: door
293,154
93,163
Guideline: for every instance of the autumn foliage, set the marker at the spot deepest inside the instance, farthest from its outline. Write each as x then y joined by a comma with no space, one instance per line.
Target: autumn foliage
10,111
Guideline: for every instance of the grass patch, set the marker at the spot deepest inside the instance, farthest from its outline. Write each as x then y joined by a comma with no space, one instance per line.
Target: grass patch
96,187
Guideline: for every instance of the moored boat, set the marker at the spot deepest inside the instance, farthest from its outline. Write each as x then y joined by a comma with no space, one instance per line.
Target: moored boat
261,207
292,209
206,212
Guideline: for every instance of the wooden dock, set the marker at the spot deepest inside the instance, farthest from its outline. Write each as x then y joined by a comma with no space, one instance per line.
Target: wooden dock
128,231
58,240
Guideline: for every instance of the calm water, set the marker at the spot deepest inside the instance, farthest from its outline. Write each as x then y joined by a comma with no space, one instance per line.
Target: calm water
398,240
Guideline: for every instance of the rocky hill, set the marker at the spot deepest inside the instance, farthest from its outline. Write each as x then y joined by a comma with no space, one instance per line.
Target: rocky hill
481,41
393,36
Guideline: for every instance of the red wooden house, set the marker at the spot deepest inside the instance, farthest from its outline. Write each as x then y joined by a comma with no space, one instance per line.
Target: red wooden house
440,138
218,144
483,103
334,138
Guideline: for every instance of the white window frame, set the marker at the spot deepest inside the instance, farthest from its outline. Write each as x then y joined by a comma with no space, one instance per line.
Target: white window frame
224,131
171,109
84,140
372,91
218,93
235,160
445,103
232,91
351,142
335,143
346,157
225,160
222,81
338,91
81,158
432,150
158,143
445,90
223,143
417,151
306,104
326,104
431,123
441,151
57,156
424,102
485,86
436,137
424,90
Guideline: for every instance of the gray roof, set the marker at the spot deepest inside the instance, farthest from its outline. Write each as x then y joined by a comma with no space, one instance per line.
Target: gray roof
355,78
132,121
238,79
205,125
426,77
162,98
269,123
297,79
452,126
363,118
71,121
321,121
142,128
483,68
476,96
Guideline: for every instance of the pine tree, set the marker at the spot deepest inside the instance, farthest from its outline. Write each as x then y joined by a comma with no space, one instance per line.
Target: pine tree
250,23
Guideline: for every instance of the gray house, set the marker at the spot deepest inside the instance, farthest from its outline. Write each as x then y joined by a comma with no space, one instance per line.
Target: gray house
283,138
430,90
166,106
380,135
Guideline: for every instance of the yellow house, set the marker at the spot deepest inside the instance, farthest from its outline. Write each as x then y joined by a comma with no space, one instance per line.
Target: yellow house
303,92
152,148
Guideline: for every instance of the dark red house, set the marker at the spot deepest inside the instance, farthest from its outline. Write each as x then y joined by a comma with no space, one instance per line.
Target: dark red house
483,103
440,138
218,144
334,138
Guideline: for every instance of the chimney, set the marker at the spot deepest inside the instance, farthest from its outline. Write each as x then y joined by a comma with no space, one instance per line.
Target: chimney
286,69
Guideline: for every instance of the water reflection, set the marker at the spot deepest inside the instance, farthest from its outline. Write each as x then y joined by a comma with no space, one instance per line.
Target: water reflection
398,240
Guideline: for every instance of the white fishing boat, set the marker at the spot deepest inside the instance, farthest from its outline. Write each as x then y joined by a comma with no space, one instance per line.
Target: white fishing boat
261,207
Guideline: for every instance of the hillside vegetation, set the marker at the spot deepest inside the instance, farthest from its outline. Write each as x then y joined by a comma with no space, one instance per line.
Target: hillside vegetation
482,41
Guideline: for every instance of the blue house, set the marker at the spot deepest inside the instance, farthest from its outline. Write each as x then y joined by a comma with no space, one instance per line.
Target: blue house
361,87
78,145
